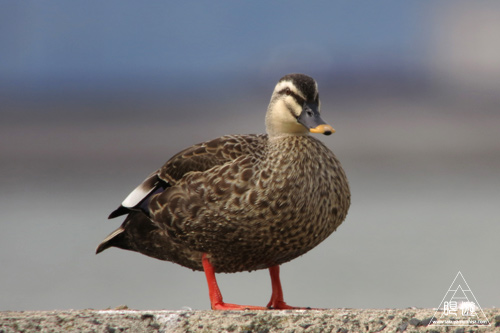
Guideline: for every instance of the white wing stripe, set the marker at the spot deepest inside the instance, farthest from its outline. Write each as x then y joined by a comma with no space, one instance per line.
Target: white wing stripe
141,191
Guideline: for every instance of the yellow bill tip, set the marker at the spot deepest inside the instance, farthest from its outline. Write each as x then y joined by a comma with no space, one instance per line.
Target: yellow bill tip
323,129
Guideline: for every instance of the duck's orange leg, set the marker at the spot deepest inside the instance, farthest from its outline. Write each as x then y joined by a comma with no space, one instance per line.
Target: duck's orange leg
214,292
277,302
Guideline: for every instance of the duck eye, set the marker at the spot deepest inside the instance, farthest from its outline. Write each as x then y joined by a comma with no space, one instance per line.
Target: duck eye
288,91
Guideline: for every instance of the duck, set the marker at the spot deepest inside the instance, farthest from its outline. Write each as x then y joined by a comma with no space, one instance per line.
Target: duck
242,202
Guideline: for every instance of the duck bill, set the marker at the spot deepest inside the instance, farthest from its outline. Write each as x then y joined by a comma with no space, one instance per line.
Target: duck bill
323,129
310,119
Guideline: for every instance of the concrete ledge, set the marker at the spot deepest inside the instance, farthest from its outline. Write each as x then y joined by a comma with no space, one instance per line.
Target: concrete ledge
335,320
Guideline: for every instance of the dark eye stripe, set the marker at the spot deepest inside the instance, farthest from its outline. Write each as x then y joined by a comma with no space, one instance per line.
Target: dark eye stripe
298,99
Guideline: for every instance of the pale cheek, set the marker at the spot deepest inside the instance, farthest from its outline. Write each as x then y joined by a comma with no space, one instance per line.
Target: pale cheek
292,105
283,115
281,120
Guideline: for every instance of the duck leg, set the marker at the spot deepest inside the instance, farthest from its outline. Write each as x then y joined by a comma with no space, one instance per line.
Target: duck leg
277,302
214,292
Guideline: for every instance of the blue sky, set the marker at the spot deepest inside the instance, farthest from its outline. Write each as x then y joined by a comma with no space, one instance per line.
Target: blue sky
44,40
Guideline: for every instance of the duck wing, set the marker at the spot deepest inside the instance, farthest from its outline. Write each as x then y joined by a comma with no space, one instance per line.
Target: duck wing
197,158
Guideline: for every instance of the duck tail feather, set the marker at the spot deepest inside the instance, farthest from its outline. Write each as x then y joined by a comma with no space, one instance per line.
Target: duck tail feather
116,238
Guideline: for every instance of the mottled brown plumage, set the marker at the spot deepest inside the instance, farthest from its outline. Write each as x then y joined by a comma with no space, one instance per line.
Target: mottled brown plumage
246,201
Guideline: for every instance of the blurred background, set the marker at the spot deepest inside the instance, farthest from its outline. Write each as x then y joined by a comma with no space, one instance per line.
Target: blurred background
94,95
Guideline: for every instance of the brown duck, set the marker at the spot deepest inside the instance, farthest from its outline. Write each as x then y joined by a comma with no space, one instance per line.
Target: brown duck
242,202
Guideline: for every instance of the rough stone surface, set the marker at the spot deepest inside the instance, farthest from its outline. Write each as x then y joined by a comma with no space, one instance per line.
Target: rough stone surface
335,320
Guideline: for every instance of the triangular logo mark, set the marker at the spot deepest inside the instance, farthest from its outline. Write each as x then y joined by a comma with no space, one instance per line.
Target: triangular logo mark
459,307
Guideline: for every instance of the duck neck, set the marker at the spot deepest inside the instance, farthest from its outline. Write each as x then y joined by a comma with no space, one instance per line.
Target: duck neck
286,144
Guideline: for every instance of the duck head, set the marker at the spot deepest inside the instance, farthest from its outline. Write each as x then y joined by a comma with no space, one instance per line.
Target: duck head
295,108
